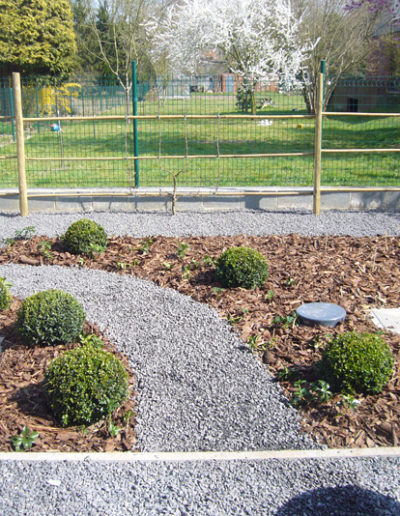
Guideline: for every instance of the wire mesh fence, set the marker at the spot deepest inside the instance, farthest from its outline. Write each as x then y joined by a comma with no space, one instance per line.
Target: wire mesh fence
99,152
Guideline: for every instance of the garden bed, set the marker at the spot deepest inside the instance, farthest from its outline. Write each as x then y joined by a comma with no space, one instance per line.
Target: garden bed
356,273
23,399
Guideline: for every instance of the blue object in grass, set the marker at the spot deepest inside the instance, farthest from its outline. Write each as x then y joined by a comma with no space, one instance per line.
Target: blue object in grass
324,314
55,128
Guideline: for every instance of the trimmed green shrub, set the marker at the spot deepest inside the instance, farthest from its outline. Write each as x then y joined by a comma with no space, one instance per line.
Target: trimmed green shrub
242,267
50,318
85,385
354,362
85,237
5,297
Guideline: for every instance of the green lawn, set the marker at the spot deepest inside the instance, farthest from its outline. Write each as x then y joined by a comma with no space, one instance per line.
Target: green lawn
107,139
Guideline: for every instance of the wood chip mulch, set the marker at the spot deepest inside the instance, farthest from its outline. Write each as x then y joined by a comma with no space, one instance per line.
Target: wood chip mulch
356,273
23,399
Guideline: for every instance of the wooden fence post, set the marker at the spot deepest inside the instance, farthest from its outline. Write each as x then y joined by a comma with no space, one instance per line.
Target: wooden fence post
318,140
19,123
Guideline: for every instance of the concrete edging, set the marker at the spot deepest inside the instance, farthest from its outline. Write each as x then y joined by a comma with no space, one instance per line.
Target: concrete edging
200,199
330,453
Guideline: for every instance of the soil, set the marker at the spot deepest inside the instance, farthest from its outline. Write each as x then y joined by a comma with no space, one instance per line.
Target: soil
23,399
356,273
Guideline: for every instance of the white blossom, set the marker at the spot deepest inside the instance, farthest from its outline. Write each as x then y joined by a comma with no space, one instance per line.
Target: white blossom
257,38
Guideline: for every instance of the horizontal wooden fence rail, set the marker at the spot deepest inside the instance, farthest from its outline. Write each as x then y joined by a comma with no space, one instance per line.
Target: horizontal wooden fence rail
163,117
179,156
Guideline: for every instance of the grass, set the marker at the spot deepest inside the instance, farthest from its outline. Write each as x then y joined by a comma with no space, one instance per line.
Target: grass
106,138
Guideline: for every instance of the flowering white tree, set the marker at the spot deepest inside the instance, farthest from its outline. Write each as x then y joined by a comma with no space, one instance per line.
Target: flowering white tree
257,38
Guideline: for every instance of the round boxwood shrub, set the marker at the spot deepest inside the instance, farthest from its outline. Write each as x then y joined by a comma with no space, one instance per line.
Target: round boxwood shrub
242,267
50,318
354,362
85,237
5,297
85,385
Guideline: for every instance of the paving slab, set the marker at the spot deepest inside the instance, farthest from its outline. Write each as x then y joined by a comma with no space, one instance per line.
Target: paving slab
387,318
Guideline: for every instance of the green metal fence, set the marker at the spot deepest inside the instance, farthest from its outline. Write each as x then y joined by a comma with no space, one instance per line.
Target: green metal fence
103,149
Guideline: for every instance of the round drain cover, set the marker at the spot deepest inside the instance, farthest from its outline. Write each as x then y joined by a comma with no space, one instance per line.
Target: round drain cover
325,314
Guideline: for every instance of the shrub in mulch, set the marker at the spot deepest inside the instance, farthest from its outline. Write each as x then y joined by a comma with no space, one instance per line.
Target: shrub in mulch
24,403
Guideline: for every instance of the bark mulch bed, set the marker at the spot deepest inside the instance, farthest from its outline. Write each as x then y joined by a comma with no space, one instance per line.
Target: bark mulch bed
23,399
356,273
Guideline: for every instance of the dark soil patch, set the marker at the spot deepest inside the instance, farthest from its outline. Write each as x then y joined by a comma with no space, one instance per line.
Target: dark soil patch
23,398
356,273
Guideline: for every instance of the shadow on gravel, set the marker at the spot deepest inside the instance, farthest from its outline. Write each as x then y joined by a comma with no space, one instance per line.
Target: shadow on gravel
340,501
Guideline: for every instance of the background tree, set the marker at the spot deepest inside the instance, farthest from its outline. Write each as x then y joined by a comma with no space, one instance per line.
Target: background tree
256,38
86,60
114,37
342,37
37,37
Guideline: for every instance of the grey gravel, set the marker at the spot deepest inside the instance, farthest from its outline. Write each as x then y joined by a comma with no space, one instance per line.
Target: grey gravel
324,487
199,389
209,224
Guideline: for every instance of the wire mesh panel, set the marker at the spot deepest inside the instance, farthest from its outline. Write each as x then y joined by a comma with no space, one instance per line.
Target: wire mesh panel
219,137
363,132
8,152
224,148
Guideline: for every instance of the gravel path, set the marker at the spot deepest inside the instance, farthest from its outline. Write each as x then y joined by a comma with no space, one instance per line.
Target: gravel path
209,224
199,389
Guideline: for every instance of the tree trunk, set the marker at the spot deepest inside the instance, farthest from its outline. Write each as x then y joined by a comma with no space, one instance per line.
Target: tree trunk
253,102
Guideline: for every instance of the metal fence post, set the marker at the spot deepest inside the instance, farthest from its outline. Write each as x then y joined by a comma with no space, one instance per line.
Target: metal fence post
135,124
19,122
318,140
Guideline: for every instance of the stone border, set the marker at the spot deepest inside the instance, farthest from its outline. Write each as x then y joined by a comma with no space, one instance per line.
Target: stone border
199,199
201,456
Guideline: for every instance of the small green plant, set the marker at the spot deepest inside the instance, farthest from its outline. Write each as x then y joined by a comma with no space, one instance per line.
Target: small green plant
181,250
301,394
145,246
113,428
256,344
186,272
26,233
90,339
218,290
129,414
167,266
23,234
45,248
233,319
241,267
270,295
85,237
285,374
25,440
85,385
290,282
285,321
350,401
208,260
322,390
81,261
121,265
5,297
316,342
50,318
354,362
